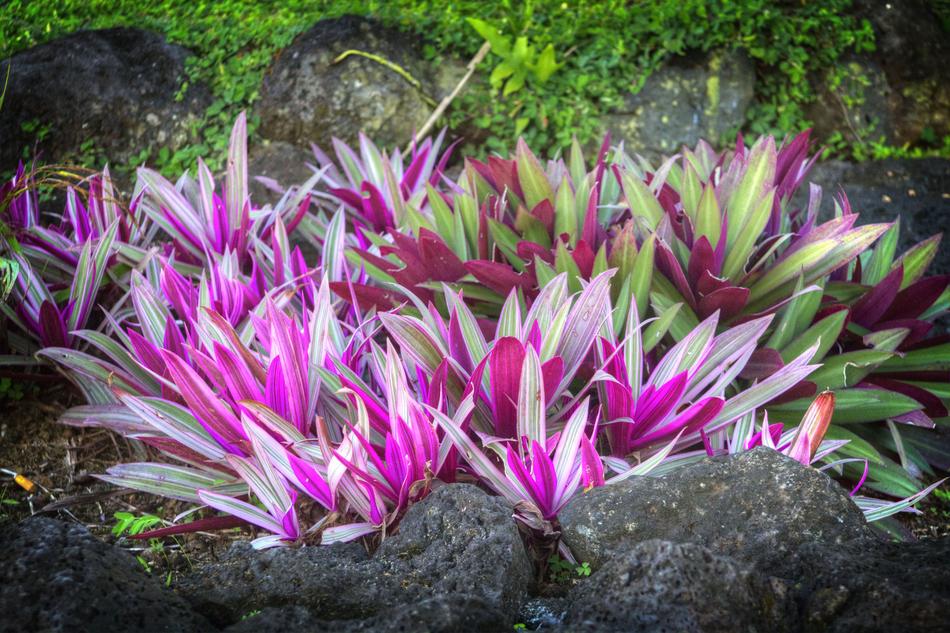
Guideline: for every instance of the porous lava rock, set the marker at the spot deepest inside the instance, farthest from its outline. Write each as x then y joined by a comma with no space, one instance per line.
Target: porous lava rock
111,92
458,541
308,96
663,586
691,97
759,506
56,576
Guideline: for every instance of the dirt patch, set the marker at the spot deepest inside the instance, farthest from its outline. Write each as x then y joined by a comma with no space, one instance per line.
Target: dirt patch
61,462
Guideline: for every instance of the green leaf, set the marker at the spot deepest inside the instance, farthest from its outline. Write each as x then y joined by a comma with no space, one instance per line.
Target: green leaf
795,316
441,213
641,277
743,243
534,182
543,272
578,168
565,216
466,207
684,320
708,215
744,203
847,370
640,199
853,406
936,358
690,193
564,263
917,260
501,72
827,331
856,446
507,240
532,229
9,269
885,477
886,340
655,332
811,261
879,264
500,44
546,64
514,84
600,261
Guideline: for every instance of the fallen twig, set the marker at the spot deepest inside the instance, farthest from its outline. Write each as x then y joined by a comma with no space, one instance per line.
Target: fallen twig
440,109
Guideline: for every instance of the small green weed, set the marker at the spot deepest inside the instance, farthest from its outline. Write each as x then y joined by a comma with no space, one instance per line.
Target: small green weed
562,571
6,502
128,523
12,390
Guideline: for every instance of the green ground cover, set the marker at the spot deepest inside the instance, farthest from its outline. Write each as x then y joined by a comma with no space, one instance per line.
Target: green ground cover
602,50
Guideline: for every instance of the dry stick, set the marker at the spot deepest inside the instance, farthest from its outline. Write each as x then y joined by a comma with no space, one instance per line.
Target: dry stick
440,109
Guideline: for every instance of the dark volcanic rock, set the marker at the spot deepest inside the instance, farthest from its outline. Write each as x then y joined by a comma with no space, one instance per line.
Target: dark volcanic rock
279,620
451,613
460,540
457,542
864,587
283,163
454,613
307,98
337,582
114,88
663,586
915,190
758,506
58,577
689,98
901,90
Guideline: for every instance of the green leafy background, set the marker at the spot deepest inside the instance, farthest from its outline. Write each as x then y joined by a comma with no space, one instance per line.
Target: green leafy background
586,55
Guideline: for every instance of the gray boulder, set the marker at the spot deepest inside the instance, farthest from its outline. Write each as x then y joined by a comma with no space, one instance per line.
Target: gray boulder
278,164
112,92
55,576
758,507
337,582
915,190
901,90
865,587
663,586
452,613
307,98
460,540
457,542
690,98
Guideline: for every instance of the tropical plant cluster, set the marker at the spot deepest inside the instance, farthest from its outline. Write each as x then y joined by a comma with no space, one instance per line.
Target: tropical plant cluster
536,328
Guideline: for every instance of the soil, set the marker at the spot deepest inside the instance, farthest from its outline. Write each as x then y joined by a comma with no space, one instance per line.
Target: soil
61,461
